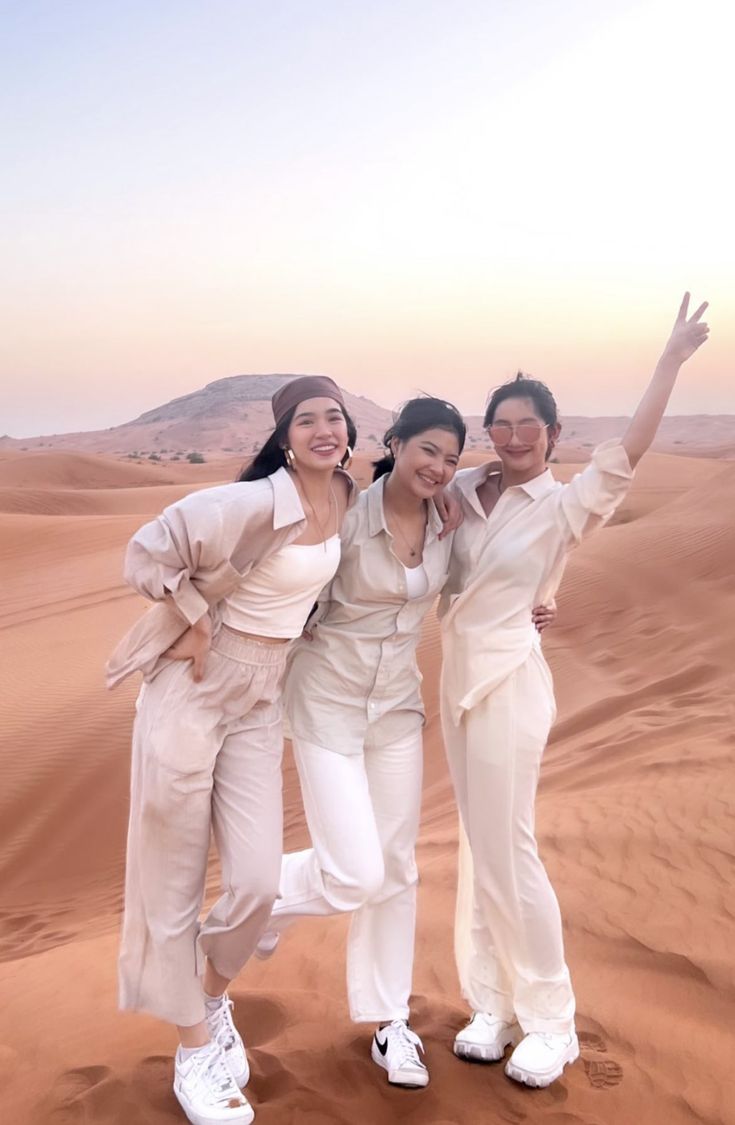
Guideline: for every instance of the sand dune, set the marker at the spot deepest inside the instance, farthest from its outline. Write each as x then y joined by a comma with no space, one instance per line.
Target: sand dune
65,470
635,819
93,501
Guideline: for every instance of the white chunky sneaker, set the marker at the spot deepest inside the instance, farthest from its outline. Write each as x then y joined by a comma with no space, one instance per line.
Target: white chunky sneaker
485,1038
396,1048
267,945
540,1058
224,1033
206,1091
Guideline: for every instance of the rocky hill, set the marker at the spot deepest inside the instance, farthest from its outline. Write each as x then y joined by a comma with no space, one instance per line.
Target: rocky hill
233,416
227,416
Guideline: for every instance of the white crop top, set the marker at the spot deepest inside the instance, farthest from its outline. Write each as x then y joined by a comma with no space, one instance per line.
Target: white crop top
417,582
275,598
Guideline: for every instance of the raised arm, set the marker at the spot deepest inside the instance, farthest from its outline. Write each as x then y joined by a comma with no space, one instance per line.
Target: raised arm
686,337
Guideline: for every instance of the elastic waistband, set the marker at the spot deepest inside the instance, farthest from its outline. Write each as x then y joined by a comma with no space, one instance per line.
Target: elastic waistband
247,651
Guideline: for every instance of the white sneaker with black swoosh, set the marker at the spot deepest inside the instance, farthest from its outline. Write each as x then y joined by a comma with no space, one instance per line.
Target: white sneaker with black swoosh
396,1048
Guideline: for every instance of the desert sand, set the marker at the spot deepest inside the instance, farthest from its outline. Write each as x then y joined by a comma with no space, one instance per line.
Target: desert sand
635,817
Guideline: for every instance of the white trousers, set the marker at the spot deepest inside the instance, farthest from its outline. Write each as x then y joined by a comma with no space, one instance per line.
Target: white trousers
363,815
509,933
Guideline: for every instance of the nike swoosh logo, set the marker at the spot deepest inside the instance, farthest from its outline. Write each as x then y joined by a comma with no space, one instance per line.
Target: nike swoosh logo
382,1047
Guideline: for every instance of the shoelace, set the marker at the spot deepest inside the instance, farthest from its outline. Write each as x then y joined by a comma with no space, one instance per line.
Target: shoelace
220,1024
213,1076
485,1018
548,1038
406,1043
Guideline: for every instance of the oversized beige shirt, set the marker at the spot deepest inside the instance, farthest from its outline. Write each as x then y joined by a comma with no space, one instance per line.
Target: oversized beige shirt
361,665
508,562
195,553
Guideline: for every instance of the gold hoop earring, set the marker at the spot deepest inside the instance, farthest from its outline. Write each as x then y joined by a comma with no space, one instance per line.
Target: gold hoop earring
288,454
347,459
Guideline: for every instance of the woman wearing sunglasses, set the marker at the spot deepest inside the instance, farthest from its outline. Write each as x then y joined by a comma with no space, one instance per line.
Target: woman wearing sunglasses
354,704
498,705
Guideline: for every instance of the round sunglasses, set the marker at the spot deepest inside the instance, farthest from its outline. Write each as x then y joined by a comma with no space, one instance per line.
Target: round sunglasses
526,432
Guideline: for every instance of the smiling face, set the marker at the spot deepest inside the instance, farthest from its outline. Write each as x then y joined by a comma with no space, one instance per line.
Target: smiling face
521,437
317,434
426,462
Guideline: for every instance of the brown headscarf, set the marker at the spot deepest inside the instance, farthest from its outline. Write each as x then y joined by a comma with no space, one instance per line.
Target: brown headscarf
306,386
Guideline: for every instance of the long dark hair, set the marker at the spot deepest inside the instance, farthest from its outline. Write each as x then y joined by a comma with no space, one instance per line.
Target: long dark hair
416,417
271,456
523,386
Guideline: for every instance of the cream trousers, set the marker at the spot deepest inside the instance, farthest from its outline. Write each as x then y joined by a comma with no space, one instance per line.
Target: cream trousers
206,760
509,944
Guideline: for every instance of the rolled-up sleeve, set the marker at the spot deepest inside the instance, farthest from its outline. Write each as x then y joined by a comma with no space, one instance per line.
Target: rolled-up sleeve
165,555
592,496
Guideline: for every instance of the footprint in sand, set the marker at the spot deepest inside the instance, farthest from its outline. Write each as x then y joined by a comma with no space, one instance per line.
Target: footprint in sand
603,1073
153,1079
258,1017
87,1093
72,1083
589,1041
21,927
269,1079
23,934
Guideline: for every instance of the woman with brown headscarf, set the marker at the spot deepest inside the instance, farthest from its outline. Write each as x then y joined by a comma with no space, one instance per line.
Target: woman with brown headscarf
234,571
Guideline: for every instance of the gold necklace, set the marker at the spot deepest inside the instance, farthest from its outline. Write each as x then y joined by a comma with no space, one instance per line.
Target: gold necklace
413,551
332,498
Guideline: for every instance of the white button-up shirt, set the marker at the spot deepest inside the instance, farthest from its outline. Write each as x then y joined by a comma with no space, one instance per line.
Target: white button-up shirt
506,563
361,665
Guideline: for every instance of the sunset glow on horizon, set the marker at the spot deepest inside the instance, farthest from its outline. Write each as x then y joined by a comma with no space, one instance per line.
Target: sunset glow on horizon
406,195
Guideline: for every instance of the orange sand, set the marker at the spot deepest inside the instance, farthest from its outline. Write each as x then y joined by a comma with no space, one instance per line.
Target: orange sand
634,816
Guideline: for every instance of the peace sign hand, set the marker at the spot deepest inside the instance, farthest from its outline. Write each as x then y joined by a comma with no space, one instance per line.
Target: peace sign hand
686,335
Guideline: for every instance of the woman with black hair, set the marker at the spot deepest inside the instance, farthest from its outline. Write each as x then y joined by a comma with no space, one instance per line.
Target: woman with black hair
354,705
498,705
234,571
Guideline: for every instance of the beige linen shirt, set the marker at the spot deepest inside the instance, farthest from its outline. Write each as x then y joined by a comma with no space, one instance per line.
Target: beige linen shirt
506,563
195,553
361,665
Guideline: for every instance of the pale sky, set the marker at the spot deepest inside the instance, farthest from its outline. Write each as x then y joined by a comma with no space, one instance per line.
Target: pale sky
404,194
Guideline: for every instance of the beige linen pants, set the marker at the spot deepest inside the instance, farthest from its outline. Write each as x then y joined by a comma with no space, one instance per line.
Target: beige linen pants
509,943
206,758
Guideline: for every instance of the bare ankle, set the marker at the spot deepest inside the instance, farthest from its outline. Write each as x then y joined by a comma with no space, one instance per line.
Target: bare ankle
197,1035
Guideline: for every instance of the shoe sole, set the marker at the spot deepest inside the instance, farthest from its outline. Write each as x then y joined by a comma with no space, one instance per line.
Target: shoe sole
422,1080
481,1053
541,1081
246,1115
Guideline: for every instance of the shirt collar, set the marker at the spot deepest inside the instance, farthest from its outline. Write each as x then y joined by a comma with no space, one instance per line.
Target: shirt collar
539,486
287,506
376,515
468,481
376,511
